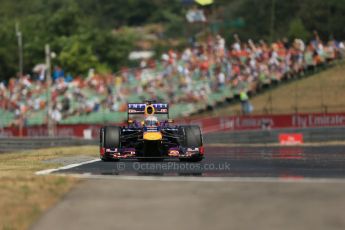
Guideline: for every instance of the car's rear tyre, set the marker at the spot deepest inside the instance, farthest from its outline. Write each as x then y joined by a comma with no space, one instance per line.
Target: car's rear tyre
191,137
110,138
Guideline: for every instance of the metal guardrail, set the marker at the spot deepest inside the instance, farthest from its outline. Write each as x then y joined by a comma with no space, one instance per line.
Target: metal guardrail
13,143
232,137
272,136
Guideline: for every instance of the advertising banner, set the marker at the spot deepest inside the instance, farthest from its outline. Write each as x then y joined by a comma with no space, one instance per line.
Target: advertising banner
212,124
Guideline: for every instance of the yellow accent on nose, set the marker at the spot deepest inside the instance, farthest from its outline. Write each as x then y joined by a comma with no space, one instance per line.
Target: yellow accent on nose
152,136
149,110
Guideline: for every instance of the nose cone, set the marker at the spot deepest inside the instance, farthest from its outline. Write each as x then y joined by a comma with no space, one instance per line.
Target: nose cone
152,136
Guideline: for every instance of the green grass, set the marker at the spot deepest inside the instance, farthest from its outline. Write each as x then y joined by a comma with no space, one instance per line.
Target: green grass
322,92
25,196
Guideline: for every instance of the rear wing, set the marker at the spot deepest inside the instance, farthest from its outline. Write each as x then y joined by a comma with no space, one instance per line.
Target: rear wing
142,108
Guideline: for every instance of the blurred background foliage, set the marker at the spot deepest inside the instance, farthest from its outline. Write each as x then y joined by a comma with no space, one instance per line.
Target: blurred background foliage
100,33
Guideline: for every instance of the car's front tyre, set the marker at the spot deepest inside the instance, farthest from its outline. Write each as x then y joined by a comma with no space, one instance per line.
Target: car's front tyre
109,139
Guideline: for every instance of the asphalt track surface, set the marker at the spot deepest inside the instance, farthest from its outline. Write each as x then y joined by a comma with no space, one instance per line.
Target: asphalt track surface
232,188
223,161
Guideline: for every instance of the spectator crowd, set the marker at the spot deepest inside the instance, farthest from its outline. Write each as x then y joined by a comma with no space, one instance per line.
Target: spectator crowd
188,76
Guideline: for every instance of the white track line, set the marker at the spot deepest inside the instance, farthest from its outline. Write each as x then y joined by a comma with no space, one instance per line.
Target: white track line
187,178
208,179
48,171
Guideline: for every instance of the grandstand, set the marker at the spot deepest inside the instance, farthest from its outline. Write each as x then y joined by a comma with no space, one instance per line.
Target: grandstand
198,78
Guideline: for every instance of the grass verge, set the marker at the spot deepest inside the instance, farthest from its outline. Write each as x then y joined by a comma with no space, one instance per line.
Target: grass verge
25,196
322,92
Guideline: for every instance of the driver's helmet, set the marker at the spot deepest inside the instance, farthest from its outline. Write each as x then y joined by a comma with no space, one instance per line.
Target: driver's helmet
151,121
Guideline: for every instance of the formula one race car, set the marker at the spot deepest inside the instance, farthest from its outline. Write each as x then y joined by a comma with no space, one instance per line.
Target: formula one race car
151,138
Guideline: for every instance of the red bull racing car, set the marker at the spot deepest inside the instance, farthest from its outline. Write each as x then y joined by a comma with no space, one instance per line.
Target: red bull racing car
148,136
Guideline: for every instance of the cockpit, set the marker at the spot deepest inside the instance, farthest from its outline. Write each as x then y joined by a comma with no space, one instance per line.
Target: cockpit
151,121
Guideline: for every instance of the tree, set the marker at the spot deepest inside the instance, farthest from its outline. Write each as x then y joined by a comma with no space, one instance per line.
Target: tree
76,56
85,27
298,30
113,48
